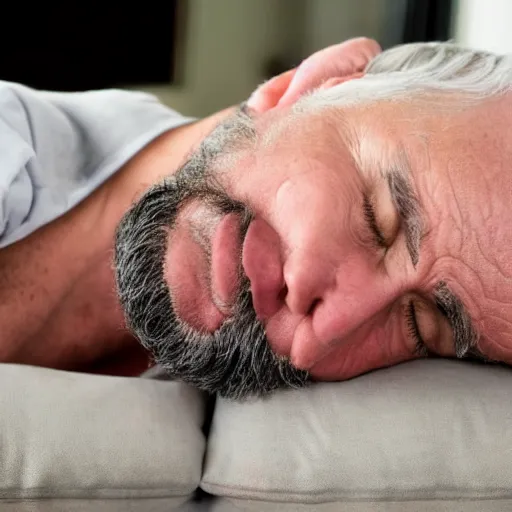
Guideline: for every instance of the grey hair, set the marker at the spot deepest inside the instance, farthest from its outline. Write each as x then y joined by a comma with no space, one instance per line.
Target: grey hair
419,68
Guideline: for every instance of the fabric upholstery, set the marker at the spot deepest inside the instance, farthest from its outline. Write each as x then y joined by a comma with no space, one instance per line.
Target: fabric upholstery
424,436
72,436
425,430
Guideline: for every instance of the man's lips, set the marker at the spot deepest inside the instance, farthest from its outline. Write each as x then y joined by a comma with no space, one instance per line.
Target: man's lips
225,261
203,292
260,256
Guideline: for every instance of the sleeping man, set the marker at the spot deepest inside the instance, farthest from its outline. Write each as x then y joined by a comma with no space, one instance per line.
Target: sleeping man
327,228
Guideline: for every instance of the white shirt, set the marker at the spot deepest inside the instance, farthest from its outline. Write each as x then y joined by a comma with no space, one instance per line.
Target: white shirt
57,148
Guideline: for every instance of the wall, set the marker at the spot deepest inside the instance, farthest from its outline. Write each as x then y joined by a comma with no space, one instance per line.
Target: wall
327,22
331,21
483,24
227,44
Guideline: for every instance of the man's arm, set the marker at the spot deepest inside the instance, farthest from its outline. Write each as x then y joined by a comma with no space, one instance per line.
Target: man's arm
58,281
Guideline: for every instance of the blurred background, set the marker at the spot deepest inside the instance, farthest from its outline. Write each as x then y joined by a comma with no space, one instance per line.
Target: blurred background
199,56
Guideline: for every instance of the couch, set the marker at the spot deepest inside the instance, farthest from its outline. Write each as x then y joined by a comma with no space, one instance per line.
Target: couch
429,435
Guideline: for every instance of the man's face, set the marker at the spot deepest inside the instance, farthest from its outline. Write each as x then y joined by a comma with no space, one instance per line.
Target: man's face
335,242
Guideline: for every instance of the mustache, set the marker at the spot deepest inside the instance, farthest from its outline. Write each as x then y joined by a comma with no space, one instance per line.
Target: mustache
236,361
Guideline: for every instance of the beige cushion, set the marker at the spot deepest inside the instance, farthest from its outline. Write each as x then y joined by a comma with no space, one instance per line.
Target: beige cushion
445,505
425,430
71,436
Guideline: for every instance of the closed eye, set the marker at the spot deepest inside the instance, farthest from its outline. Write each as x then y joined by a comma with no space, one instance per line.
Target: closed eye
369,215
414,330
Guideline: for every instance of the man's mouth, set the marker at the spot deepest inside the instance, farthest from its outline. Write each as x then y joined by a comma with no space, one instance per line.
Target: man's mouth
204,284
226,260
208,256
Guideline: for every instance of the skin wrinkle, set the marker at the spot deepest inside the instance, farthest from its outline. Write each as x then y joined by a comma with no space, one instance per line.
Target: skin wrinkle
497,342
464,334
386,347
459,220
491,262
356,328
493,339
451,216
481,246
347,359
486,207
476,236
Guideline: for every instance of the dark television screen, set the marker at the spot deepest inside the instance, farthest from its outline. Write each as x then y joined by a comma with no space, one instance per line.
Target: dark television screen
73,46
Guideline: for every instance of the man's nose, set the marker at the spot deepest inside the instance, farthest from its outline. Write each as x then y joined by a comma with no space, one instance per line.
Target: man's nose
299,284
306,283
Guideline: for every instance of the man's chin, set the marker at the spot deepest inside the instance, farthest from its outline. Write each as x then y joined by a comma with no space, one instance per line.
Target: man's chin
235,361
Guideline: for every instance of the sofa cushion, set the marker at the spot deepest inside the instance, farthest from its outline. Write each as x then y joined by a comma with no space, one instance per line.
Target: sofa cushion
425,430
70,436
443,505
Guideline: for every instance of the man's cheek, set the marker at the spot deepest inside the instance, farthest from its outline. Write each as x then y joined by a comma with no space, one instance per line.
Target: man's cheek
377,344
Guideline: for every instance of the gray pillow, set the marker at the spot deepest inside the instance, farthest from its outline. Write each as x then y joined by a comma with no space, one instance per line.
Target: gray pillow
425,430
92,442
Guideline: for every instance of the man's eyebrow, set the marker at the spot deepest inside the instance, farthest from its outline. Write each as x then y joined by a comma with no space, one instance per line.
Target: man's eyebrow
464,334
408,209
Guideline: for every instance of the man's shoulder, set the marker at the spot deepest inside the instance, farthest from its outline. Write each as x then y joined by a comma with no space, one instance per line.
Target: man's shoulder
56,148
134,111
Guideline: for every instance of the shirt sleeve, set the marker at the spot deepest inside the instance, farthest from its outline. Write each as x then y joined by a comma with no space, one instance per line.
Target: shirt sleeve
57,148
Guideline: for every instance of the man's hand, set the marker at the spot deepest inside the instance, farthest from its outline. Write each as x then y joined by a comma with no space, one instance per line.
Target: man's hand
335,64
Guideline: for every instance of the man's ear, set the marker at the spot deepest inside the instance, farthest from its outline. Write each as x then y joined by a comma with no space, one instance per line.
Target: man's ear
268,95
271,93
331,82
340,62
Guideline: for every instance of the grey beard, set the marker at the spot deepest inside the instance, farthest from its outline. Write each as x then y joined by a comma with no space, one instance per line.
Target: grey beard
235,361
